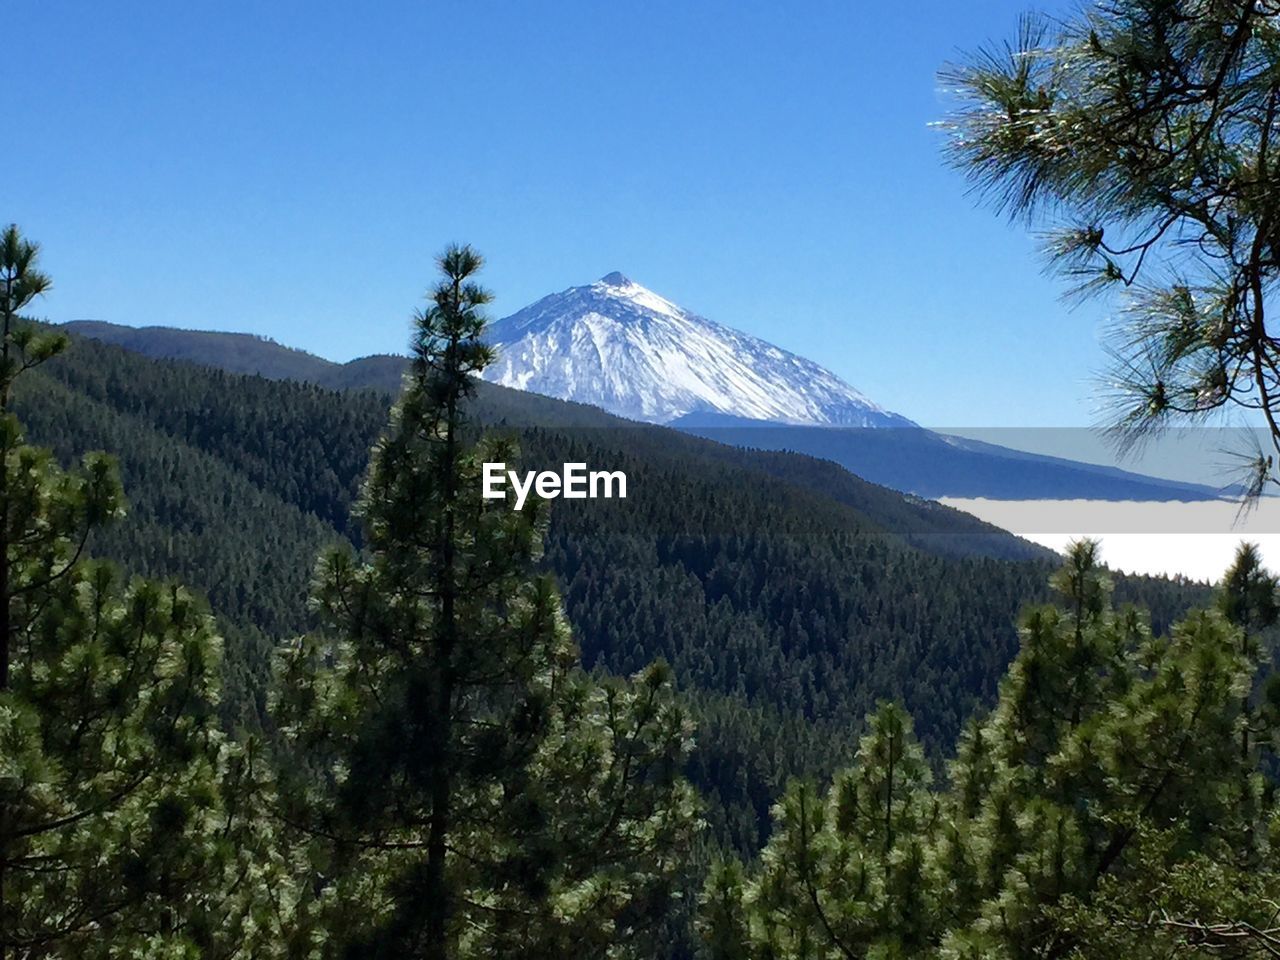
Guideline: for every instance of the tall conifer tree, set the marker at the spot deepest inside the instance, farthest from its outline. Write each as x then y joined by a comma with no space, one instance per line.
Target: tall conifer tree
1142,135
469,792
114,835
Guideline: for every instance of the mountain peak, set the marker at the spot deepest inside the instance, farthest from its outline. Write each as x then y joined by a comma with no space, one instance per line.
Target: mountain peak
618,345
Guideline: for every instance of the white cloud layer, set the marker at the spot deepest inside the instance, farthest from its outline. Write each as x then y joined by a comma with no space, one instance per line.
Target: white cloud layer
1196,540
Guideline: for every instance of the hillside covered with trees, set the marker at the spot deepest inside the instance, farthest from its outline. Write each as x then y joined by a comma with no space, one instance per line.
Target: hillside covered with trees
783,630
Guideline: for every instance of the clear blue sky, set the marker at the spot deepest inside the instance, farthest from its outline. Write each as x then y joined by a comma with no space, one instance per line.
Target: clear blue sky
291,168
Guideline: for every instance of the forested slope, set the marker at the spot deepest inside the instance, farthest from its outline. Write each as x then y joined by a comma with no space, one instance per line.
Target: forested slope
788,595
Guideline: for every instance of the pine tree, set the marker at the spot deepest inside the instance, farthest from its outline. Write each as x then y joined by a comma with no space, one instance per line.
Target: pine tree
114,834
471,792
1247,598
1142,133
845,874
1104,736
723,921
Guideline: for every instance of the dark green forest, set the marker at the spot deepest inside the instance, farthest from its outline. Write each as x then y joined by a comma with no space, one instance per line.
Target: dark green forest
783,632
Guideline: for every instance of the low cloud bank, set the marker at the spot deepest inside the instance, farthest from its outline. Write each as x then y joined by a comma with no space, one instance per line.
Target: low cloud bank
1195,540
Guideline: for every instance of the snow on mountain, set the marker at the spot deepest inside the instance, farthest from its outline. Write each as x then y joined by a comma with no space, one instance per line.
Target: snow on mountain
617,345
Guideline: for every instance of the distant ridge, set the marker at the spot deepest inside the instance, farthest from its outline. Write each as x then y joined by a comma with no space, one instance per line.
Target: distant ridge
247,353
936,465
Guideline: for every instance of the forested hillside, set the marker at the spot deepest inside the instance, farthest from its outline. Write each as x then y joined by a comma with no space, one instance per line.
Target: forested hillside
246,353
788,595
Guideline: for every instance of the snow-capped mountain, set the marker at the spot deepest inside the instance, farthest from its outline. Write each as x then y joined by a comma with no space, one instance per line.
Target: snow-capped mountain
617,345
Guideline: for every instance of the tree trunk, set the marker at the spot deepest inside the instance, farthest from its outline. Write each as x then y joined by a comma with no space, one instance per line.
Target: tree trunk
6,626
439,906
